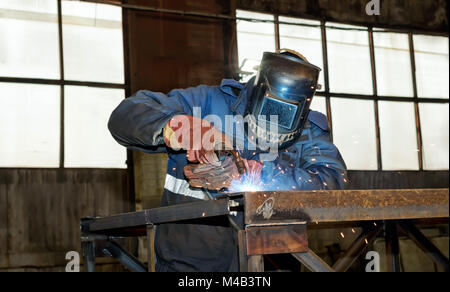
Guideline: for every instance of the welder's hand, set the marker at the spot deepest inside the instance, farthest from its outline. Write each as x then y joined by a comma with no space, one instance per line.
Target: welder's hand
220,177
212,177
198,137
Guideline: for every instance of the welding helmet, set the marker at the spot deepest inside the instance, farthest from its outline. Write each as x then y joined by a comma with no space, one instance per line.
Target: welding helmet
283,88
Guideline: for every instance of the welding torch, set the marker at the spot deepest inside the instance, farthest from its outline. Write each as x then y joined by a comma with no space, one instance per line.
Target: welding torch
239,162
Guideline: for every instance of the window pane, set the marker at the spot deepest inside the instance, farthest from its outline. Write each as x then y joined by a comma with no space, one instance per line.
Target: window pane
434,120
254,38
42,6
349,60
319,104
398,136
29,125
431,66
88,142
303,39
29,44
93,46
354,132
393,64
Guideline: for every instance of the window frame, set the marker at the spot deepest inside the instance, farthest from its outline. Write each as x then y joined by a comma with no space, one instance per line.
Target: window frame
327,94
62,82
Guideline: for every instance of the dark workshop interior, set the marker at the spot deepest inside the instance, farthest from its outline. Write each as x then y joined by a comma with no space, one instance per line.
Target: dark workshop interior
66,65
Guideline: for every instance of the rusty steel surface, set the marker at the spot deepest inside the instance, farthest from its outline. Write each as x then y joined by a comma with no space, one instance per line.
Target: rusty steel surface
345,206
276,239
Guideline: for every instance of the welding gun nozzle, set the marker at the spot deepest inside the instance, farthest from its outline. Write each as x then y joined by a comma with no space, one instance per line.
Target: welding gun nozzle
239,163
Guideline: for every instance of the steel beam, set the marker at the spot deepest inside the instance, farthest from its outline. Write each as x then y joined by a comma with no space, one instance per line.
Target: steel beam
392,247
425,244
368,235
345,206
242,249
182,212
88,248
151,259
112,249
313,262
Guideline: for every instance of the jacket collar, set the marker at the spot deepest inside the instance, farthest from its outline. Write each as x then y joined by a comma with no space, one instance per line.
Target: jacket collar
241,102
228,85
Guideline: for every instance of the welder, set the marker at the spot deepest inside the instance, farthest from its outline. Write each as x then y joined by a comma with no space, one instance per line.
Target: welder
276,106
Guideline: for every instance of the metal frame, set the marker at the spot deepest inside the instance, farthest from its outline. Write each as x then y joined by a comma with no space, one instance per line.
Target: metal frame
99,235
286,233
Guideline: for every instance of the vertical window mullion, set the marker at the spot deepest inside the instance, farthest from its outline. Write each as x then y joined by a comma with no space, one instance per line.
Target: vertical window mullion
277,32
61,66
375,92
326,77
416,101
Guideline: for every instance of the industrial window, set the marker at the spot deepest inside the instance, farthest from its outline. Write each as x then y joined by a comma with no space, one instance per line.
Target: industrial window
61,75
254,39
385,93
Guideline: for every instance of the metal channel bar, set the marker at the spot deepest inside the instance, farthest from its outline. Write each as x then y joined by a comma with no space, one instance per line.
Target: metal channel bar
345,206
204,209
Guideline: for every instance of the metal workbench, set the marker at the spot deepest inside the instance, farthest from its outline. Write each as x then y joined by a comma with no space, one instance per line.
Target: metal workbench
277,223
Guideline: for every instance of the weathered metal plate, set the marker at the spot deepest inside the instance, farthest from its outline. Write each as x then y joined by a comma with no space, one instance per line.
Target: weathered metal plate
276,239
344,206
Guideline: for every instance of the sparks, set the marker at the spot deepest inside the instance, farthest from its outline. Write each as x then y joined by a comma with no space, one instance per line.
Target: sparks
342,234
247,183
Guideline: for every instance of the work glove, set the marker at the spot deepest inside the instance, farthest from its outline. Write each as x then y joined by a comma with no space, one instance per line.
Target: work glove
220,177
198,137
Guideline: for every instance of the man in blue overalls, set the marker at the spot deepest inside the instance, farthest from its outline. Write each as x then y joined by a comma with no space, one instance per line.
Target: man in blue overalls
305,158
